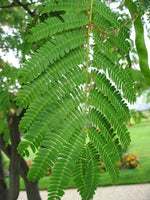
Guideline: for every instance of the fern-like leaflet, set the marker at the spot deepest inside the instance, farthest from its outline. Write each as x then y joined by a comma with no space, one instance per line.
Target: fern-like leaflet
63,88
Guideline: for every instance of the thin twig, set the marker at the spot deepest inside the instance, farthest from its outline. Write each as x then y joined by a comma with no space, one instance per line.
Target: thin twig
13,5
116,31
32,14
17,3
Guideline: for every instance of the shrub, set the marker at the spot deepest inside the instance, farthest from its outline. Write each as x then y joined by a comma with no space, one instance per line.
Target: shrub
129,161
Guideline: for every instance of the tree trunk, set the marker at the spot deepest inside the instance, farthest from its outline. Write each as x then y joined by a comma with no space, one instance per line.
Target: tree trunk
14,185
31,188
3,186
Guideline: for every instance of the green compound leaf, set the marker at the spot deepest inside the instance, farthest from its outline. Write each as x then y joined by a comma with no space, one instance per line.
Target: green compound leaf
77,110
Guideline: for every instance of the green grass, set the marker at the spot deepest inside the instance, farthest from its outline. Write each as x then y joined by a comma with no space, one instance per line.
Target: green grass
140,138
130,176
140,145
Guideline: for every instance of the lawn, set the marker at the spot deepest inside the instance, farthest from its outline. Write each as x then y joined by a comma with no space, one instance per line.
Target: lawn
140,145
140,138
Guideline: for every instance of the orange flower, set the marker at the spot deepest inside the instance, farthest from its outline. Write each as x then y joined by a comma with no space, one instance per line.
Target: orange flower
119,163
128,158
86,130
138,166
134,155
127,163
28,163
132,162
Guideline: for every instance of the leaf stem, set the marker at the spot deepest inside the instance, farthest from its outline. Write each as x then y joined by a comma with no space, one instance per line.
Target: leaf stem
87,62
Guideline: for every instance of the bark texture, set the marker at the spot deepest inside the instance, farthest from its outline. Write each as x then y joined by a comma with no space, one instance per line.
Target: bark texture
18,165
14,168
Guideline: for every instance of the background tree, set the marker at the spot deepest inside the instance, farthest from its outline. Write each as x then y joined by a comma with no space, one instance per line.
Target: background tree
15,17
142,8
10,116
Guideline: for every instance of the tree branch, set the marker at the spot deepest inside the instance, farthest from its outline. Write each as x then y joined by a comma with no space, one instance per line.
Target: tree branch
25,6
14,5
116,31
19,5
